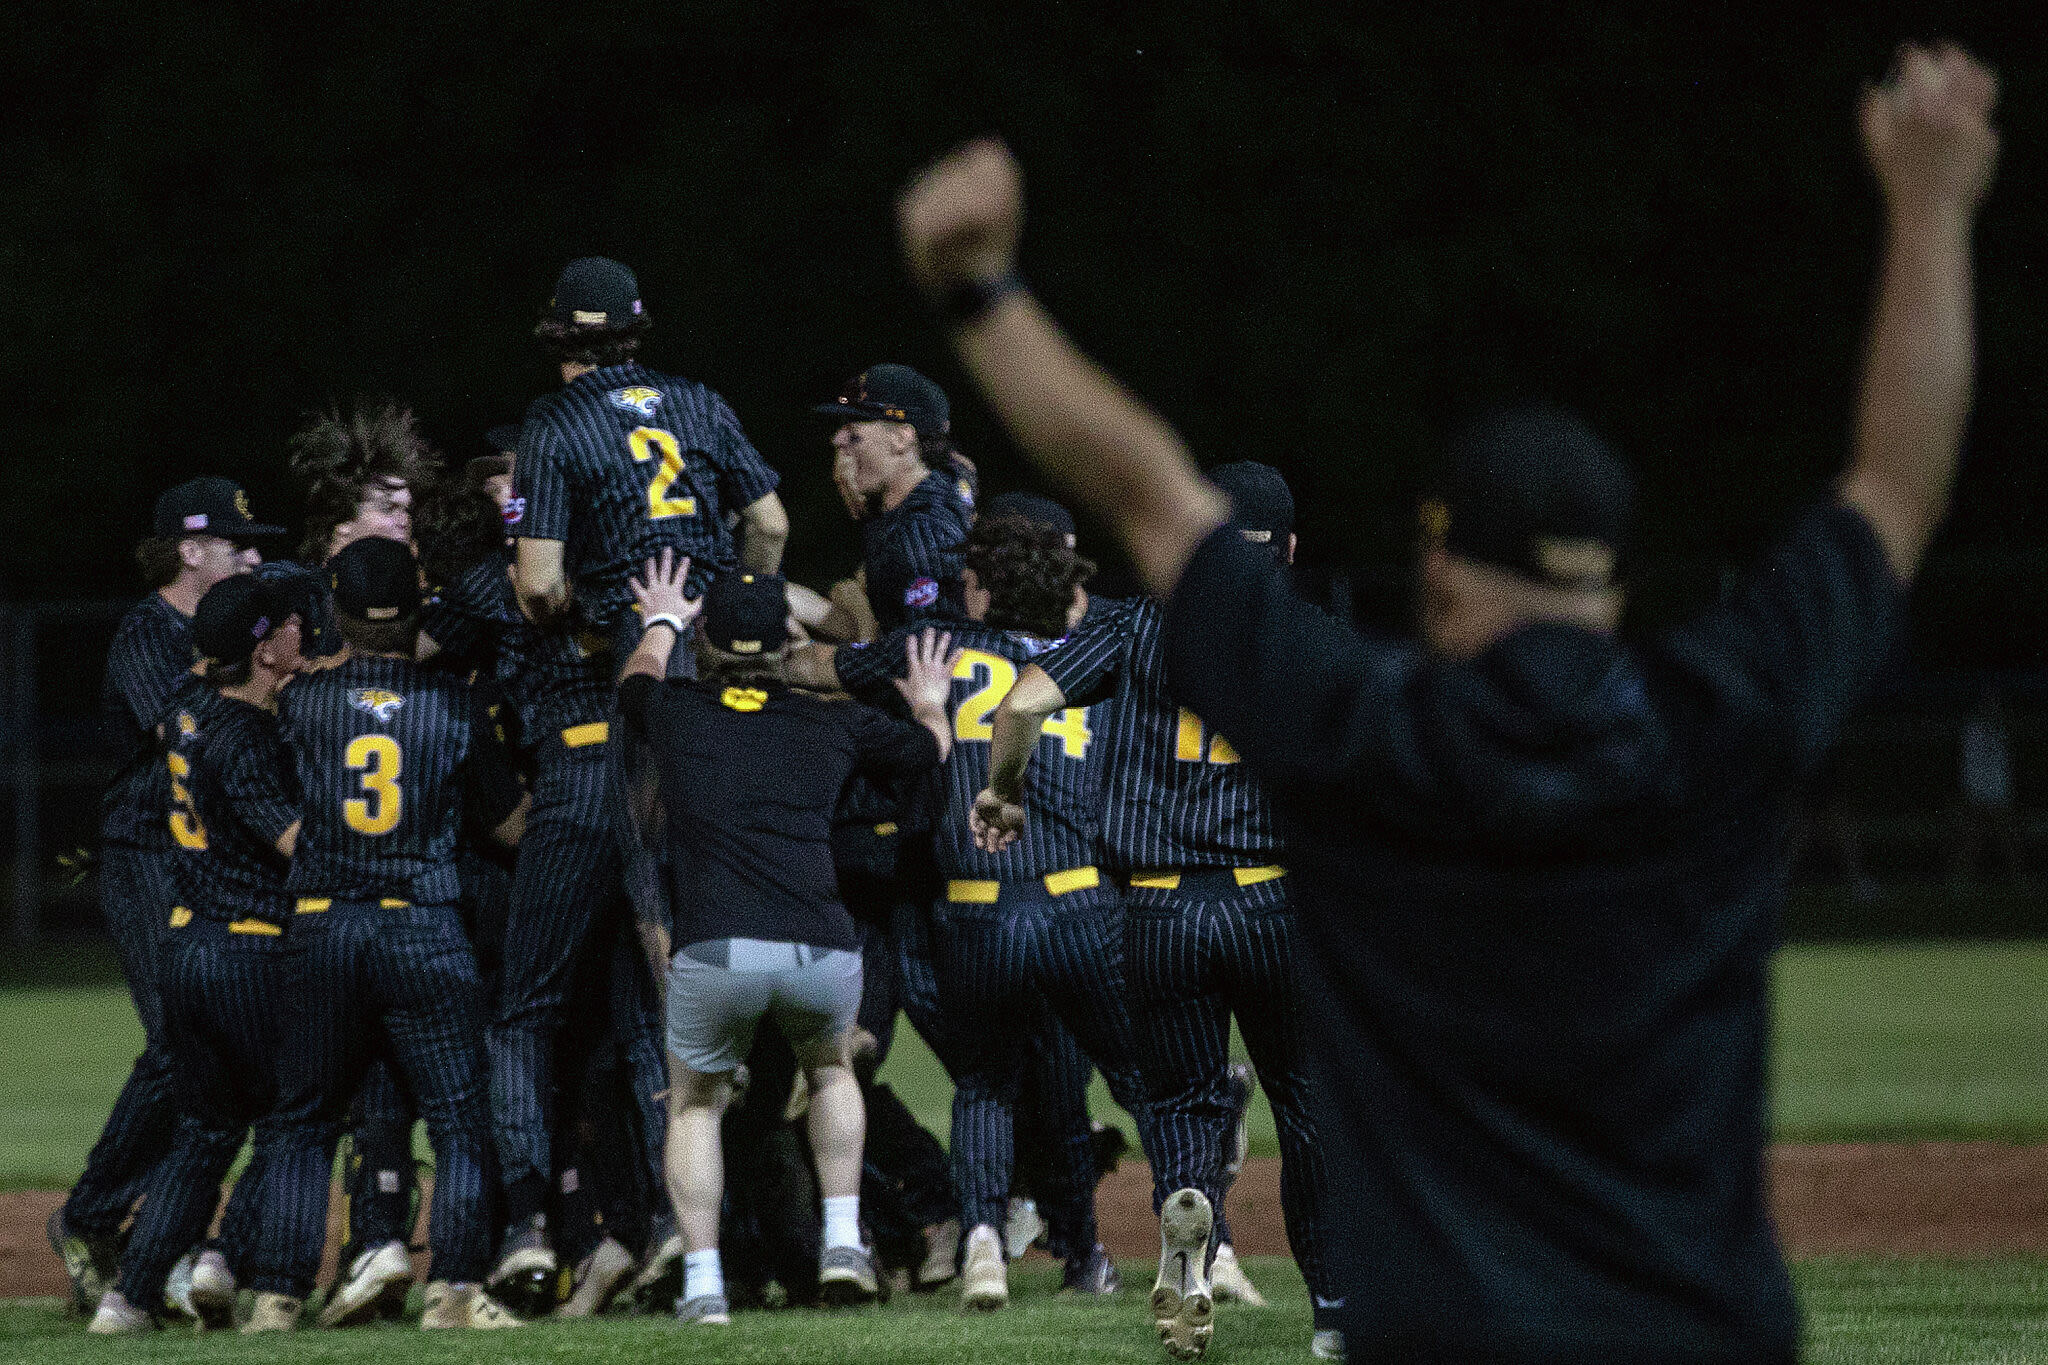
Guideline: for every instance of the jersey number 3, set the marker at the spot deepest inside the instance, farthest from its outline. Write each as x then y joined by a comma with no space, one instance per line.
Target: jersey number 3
649,443
185,826
997,676
377,758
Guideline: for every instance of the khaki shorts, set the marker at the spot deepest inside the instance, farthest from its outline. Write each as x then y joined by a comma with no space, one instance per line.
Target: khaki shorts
719,989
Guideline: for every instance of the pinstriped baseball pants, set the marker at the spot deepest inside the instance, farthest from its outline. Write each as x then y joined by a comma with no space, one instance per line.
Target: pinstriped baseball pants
1194,960
1001,969
224,997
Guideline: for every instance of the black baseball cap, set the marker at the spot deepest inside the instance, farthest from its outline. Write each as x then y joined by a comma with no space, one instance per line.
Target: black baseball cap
237,614
892,393
375,579
596,291
209,506
1032,507
1537,491
1261,504
747,613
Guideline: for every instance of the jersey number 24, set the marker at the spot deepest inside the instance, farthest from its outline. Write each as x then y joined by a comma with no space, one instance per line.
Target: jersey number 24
997,676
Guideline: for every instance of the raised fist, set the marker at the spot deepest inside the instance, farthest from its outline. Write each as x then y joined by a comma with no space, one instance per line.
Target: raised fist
960,219
1927,128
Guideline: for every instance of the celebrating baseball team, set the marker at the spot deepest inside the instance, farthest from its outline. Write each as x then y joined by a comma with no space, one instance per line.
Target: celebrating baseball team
523,794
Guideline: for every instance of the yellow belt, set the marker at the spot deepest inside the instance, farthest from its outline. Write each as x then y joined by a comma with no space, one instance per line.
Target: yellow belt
313,905
254,926
180,917
989,892
1244,876
581,736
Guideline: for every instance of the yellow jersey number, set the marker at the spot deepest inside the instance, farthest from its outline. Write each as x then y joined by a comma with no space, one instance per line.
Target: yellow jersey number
377,758
1188,744
185,826
649,443
996,676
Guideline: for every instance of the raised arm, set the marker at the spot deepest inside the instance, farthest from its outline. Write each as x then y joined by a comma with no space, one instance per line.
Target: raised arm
764,529
666,612
927,684
1928,135
960,221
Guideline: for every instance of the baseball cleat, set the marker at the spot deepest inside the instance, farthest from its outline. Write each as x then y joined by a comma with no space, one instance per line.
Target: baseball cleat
1327,1344
1092,1273
371,1275
274,1313
846,1277
89,1262
941,1256
527,1272
984,1278
178,1288
1023,1228
661,1279
116,1317
599,1277
706,1310
212,1291
1228,1281
1182,1301
464,1305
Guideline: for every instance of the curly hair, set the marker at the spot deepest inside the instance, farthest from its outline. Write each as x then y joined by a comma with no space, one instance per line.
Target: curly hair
568,343
339,455
457,526
160,560
1029,573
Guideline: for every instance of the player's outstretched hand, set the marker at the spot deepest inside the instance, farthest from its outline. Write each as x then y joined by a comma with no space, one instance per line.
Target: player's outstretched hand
927,683
1927,129
662,589
996,823
961,218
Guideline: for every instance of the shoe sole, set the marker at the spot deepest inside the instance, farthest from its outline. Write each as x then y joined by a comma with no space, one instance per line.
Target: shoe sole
1184,1308
844,1291
595,1294
360,1300
985,1298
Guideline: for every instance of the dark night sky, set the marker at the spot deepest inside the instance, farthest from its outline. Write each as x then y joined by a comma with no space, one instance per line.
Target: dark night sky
1310,235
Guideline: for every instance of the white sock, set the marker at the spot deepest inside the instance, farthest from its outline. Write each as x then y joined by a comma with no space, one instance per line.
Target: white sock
842,1220
703,1274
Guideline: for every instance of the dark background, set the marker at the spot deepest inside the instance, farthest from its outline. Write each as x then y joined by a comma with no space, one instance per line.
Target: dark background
1310,234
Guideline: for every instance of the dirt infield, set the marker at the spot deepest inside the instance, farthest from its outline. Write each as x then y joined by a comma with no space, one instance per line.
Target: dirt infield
1929,1198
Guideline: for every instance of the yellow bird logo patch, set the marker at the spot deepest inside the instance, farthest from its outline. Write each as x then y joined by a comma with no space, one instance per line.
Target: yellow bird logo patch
639,398
376,701
744,698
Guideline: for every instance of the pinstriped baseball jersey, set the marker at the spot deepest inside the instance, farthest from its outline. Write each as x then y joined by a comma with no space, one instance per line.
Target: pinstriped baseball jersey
621,463
913,553
1065,791
387,755
233,792
152,650
1174,793
550,681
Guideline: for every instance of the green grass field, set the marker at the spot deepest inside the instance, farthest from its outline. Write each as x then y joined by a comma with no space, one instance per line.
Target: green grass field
1894,1041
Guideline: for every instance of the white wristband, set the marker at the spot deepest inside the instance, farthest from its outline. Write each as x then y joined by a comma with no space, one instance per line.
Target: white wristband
665,618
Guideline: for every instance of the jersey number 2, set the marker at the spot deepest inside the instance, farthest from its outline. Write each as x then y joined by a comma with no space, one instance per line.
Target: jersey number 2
648,443
378,759
971,720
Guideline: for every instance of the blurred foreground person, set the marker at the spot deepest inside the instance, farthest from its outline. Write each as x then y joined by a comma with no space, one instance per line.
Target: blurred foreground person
1537,868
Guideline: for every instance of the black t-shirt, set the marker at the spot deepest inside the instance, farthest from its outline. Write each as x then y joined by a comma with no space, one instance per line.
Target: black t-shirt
750,776
1540,890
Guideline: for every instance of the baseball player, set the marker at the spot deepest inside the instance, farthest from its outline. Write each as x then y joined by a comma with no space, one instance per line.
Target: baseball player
751,771
1209,932
391,758
1032,928
201,533
1537,866
226,975
617,465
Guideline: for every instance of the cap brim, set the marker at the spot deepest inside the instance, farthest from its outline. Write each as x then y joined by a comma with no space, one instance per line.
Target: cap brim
853,412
